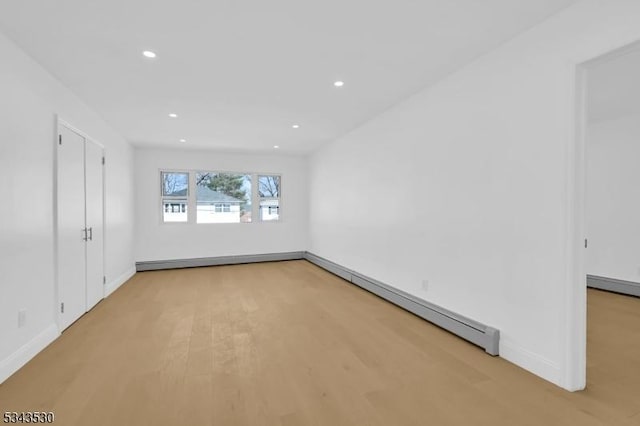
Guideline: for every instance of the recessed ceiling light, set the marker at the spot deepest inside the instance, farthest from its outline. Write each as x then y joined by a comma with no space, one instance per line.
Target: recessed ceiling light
338,83
183,140
149,54
276,146
173,115
296,126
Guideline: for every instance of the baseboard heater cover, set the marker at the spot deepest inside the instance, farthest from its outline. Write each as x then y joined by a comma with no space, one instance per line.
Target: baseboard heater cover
612,284
479,334
216,261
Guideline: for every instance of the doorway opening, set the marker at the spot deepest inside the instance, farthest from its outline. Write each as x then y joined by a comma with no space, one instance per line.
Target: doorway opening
607,219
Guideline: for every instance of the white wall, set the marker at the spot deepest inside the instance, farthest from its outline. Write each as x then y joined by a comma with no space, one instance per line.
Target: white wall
474,172
161,241
613,202
29,101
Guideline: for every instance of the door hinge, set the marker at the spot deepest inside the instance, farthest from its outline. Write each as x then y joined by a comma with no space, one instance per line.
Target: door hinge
104,280
62,308
103,160
59,139
586,243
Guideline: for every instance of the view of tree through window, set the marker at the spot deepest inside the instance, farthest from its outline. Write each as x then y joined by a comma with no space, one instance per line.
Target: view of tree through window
223,197
269,186
219,197
175,195
269,192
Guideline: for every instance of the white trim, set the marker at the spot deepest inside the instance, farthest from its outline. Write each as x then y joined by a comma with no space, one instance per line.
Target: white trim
114,284
56,266
574,333
611,55
574,319
278,198
163,197
104,218
532,362
74,129
24,354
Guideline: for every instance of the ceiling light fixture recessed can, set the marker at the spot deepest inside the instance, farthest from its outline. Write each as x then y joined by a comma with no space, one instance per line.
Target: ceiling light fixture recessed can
183,140
276,147
338,83
296,126
173,115
149,54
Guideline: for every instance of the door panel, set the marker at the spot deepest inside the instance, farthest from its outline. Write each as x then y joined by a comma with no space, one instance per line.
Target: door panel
71,245
94,215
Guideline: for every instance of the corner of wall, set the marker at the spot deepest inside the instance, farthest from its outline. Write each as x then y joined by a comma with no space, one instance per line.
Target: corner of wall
530,361
114,284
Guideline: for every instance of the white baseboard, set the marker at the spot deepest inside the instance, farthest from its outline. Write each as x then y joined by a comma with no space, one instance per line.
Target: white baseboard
19,358
530,361
113,285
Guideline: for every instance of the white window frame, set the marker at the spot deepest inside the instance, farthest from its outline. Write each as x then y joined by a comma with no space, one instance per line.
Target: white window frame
191,204
164,198
278,198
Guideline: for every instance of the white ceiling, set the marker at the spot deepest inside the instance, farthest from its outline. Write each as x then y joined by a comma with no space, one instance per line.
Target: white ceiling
614,88
240,73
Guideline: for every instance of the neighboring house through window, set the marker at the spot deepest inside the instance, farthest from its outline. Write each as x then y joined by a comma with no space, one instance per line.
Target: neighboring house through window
175,196
218,197
269,193
223,197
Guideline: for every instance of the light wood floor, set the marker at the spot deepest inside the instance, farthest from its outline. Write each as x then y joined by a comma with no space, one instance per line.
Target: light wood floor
289,344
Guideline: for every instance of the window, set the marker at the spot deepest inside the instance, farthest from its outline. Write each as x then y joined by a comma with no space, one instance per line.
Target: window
175,196
223,197
222,208
269,193
219,197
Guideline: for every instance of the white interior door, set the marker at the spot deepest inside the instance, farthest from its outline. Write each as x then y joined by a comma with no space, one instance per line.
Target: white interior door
71,229
94,222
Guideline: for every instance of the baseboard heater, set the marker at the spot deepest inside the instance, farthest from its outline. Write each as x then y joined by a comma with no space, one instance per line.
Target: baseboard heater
156,265
479,334
611,284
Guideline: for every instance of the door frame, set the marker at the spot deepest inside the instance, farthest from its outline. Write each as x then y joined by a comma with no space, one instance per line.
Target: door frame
575,371
59,122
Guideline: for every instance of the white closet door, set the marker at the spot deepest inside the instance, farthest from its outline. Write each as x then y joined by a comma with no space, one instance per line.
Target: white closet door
94,222
71,233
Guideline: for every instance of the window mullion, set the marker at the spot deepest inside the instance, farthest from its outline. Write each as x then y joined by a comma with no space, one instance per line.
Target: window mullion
255,199
192,205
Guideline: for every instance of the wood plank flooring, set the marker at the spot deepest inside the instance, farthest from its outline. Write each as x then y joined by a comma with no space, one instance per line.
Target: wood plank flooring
287,343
